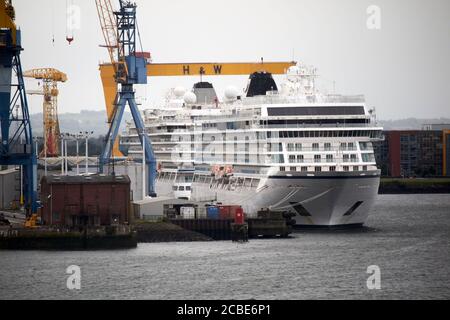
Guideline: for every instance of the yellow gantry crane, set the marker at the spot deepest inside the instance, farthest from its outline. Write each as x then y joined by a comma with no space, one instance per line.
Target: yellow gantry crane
107,72
115,72
50,78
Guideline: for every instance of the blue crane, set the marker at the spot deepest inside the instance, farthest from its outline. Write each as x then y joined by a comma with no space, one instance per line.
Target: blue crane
16,147
130,67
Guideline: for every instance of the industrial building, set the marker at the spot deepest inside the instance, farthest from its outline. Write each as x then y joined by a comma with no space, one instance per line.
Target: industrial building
446,152
9,189
414,153
93,200
157,208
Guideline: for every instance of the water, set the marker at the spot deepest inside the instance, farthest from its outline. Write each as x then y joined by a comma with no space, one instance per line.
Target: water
408,237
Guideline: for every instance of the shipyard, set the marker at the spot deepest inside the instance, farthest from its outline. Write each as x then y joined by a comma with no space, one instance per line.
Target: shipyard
155,144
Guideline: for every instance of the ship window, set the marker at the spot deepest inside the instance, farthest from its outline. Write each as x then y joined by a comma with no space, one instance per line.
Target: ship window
351,146
317,158
290,147
174,188
355,168
346,157
346,168
298,147
304,169
315,146
318,169
282,169
188,188
291,159
364,168
316,111
354,158
327,146
293,169
181,188
333,169
329,158
277,158
368,157
365,146
300,158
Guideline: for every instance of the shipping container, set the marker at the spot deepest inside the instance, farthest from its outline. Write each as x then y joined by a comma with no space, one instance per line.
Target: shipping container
202,213
228,212
239,217
213,212
224,212
187,212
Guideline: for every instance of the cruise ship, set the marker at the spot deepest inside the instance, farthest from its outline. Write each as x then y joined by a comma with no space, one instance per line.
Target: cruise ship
284,147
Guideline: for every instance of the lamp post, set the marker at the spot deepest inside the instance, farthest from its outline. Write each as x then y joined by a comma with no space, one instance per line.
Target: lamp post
86,136
77,136
61,136
66,161
37,146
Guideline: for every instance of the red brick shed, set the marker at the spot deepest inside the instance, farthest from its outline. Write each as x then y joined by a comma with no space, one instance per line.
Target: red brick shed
85,200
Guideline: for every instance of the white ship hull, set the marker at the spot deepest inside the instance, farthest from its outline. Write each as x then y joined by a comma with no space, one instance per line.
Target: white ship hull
317,201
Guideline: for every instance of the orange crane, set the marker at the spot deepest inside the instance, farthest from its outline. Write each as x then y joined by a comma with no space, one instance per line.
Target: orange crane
50,78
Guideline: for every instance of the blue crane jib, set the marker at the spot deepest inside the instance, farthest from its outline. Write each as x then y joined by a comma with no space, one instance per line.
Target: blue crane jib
135,73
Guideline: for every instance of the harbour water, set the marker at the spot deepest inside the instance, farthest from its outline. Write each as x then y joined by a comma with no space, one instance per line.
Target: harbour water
407,236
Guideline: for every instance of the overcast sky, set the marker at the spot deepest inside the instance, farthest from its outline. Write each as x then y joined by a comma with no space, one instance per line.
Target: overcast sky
403,69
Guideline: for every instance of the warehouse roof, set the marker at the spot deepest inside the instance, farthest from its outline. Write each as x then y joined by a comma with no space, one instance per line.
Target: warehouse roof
8,171
87,179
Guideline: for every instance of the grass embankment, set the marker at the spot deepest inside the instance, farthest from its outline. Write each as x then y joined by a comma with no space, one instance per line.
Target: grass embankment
414,185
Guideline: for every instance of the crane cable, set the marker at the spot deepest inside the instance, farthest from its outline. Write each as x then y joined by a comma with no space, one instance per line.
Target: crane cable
139,35
53,23
69,28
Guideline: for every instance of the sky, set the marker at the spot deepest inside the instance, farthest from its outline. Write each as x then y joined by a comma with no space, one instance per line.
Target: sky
402,68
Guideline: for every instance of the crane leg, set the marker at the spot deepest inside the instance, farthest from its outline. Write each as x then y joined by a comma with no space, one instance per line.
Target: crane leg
149,155
112,133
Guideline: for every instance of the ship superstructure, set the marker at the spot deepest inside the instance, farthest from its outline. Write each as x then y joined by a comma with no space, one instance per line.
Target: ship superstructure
284,149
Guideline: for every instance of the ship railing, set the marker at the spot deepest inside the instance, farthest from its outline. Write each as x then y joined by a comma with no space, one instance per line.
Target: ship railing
279,99
316,125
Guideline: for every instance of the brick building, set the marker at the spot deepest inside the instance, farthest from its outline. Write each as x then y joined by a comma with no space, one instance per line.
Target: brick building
413,153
